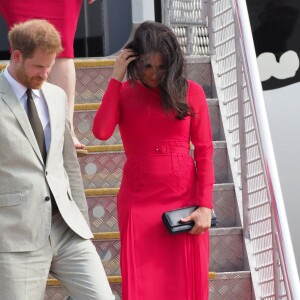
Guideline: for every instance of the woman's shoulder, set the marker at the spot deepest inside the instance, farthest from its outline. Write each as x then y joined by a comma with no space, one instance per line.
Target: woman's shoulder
193,86
195,92
115,85
129,87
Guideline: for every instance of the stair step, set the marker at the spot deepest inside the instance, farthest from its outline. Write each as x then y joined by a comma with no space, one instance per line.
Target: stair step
102,204
224,199
84,115
226,250
231,286
93,75
55,290
102,167
222,286
103,213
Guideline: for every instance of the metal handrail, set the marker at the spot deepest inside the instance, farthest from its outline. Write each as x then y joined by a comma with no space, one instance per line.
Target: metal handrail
283,237
245,56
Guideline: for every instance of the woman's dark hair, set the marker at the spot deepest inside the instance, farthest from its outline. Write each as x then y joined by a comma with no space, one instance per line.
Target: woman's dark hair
153,37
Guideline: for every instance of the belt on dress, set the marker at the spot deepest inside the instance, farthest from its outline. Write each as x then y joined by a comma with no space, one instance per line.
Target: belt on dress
160,149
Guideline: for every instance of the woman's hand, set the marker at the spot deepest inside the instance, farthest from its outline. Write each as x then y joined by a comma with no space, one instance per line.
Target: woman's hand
202,219
122,61
91,1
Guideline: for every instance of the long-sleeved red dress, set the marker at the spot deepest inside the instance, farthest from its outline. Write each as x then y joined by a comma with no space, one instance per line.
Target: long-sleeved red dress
63,14
159,175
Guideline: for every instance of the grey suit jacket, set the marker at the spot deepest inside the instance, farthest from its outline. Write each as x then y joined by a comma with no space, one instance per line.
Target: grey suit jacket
25,215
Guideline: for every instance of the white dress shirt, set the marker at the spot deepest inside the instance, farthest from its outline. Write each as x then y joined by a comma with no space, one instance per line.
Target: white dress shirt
40,103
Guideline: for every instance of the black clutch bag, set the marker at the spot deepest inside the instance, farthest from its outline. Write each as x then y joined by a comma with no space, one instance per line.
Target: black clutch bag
172,219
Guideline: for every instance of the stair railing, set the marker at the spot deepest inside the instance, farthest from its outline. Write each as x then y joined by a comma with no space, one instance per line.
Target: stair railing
188,20
266,233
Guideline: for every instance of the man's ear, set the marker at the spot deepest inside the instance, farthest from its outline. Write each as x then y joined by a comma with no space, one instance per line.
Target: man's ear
17,56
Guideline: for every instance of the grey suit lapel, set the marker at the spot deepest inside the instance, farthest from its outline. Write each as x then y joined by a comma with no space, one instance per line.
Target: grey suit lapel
9,97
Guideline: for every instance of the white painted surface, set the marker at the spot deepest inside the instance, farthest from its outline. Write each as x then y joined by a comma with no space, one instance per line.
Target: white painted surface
283,110
286,67
142,10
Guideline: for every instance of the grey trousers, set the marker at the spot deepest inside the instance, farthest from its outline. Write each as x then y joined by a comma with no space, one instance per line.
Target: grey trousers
71,259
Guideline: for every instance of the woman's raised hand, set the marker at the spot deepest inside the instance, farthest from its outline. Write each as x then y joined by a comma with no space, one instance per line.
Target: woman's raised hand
125,57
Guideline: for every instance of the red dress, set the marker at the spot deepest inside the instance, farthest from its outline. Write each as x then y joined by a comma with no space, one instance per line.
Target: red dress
63,14
159,175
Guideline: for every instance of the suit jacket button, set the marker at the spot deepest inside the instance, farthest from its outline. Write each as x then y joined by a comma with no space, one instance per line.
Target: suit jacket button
46,173
47,198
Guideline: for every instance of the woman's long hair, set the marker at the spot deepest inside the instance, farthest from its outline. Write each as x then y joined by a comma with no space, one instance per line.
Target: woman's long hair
153,37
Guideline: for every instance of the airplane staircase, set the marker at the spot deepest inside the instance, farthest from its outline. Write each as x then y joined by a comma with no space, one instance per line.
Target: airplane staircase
229,275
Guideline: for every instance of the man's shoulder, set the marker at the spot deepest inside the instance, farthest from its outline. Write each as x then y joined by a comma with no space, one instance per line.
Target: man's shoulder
4,85
2,77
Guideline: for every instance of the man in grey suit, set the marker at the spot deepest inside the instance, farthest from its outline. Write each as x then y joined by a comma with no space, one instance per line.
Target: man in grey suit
43,211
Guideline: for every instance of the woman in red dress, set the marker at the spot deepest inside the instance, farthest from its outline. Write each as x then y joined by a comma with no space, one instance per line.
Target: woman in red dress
63,14
159,112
